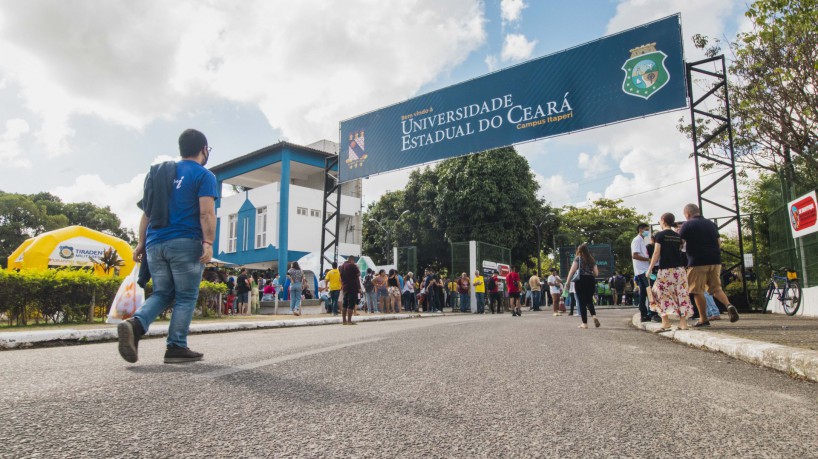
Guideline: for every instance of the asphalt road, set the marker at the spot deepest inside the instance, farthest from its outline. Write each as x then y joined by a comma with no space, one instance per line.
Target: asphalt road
459,386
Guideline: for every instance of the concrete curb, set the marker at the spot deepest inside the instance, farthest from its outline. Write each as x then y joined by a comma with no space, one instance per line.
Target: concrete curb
19,340
795,362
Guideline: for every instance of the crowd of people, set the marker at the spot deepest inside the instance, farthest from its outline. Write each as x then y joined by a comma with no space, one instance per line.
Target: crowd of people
675,269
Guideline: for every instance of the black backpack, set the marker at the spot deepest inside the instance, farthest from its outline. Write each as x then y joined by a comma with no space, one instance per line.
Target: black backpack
619,282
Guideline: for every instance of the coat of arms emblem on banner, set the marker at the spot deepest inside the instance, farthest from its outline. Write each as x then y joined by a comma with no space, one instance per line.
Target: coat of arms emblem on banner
645,71
356,154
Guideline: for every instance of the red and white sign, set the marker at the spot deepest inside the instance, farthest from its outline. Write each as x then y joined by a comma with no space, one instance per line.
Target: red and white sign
504,270
803,215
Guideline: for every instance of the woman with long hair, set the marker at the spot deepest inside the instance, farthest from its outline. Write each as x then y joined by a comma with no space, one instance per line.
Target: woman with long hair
296,278
670,292
585,284
393,289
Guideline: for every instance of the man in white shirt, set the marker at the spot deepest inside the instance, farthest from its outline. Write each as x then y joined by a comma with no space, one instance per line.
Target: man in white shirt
641,263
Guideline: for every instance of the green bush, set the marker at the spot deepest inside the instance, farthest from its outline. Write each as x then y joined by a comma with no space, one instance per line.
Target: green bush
71,296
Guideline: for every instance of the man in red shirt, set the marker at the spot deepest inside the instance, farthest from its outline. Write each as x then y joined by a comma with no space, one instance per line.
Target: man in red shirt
513,282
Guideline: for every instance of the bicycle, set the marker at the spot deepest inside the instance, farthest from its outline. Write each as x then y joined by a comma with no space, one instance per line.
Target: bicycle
787,289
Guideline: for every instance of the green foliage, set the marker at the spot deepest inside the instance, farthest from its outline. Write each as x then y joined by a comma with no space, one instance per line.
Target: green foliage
109,260
72,296
25,216
606,221
489,197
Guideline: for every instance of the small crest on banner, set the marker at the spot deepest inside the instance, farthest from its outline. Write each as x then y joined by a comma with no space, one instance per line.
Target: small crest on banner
645,71
356,154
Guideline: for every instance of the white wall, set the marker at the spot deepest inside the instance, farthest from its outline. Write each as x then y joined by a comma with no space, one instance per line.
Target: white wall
304,230
809,304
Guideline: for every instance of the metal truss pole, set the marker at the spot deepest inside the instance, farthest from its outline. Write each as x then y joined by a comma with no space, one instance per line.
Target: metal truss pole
331,215
718,96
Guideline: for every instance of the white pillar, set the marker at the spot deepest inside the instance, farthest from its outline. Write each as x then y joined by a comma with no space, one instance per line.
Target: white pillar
395,257
472,269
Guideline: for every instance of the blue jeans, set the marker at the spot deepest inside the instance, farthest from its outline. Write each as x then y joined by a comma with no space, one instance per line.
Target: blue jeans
176,274
295,296
535,299
642,282
371,301
333,301
481,302
465,299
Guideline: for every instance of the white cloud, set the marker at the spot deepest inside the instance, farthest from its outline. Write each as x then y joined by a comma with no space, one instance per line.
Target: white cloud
517,47
11,153
556,189
491,62
512,10
131,63
122,197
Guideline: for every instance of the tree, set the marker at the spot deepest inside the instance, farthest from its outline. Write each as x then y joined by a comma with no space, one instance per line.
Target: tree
489,197
25,216
773,78
606,221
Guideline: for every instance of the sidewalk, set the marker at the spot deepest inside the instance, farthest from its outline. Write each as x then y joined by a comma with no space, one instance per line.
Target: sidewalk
783,343
26,338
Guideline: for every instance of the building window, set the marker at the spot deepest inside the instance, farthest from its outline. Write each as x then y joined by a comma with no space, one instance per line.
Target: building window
301,211
245,234
232,221
261,228
315,213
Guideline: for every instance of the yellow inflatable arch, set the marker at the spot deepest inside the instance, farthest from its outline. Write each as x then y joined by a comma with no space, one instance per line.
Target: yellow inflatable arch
70,246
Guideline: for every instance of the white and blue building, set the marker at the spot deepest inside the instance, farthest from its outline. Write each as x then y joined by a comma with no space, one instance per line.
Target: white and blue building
271,208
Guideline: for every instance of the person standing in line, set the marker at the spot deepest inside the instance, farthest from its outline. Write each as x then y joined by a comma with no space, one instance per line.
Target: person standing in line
536,285
701,237
464,292
495,297
479,292
296,277
571,299
334,284
350,277
586,284
255,298
176,235
370,294
670,289
383,292
555,287
514,284
393,289
641,262
243,288
323,292
408,292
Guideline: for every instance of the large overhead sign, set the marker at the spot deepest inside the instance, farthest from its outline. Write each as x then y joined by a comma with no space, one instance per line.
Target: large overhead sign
632,74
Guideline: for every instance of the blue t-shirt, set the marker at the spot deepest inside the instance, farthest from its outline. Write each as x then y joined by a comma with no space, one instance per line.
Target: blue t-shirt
192,182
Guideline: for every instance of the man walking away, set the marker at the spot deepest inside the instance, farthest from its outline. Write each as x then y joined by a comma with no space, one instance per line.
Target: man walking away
618,287
351,282
702,244
243,289
176,240
514,284
334,280
641,263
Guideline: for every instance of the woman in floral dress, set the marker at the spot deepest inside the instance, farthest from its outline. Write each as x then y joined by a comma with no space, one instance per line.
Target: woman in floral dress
670,294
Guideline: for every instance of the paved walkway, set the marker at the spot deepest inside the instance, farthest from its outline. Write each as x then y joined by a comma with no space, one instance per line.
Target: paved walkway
25,338
780,342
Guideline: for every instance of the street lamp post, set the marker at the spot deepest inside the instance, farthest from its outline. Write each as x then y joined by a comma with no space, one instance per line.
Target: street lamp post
388,234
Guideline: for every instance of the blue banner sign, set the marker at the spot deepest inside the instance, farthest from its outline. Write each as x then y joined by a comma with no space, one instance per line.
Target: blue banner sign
632,74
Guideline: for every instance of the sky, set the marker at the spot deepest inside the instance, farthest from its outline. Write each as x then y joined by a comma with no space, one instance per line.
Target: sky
93,92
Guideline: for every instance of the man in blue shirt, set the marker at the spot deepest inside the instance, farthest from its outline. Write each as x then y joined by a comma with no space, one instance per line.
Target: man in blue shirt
176,251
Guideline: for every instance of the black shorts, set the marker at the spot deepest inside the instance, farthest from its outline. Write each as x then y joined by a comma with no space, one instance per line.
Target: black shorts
514,295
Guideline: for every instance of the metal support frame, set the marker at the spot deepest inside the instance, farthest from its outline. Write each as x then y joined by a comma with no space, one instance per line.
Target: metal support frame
698,114
331,215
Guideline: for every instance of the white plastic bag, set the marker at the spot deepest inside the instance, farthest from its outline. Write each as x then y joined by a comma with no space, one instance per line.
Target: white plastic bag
129,298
